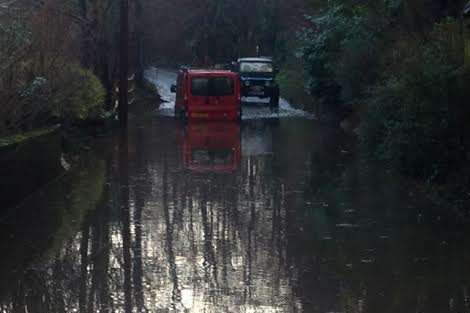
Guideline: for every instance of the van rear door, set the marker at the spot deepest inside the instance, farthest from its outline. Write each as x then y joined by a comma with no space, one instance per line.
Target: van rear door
223,91
213,92
199,91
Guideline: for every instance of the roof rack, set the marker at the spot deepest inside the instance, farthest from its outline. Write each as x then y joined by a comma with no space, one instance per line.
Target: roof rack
225,67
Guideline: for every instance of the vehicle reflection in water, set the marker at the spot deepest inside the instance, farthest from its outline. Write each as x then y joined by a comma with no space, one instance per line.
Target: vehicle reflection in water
212,147
298,227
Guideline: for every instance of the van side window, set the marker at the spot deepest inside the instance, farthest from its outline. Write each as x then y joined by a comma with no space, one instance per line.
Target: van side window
222,86
200,87
217,86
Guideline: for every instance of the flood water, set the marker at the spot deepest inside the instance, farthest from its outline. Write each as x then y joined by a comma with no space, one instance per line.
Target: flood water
273,215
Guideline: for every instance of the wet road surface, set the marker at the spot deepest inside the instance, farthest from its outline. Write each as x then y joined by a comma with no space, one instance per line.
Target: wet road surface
273,215
255,108
269,216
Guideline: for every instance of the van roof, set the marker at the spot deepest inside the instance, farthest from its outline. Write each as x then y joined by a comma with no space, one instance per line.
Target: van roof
258,59
211,72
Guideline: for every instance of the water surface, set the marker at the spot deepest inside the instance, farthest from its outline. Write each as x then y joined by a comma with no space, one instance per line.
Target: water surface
273,215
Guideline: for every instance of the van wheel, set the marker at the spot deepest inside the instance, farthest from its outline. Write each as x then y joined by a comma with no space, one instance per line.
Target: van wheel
183,116
240,114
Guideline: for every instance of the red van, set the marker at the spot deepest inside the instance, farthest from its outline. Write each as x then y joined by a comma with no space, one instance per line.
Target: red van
207,94
212,147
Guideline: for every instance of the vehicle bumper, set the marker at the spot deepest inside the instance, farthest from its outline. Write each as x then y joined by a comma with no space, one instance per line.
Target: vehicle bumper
263,93
202,113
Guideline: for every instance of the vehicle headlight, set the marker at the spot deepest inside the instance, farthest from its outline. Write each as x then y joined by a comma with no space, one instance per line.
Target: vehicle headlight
267,83
247,83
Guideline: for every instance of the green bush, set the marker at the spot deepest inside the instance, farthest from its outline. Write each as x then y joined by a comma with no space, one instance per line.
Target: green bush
292,85
78,95
340,53
150,88
415,119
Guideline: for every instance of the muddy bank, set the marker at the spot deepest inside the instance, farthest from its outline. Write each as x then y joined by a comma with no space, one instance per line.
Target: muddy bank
29,162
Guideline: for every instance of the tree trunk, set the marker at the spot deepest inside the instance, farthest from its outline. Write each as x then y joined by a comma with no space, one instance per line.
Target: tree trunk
85,40
139,53
123,64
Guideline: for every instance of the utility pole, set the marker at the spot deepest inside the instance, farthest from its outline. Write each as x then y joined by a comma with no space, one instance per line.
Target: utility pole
124,64
139,50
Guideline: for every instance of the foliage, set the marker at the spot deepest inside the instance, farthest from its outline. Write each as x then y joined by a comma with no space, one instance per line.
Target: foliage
340,51
398,63
15,38
80,95
291,82
40,79
207,32
20,138
415,118
150,88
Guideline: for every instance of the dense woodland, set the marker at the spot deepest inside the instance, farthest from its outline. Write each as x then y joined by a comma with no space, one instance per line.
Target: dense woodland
401,67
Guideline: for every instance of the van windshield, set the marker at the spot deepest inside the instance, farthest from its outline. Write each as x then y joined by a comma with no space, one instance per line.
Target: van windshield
215,86
256,67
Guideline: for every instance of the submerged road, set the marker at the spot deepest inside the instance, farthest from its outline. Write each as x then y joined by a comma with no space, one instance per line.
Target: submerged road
273,215
163,79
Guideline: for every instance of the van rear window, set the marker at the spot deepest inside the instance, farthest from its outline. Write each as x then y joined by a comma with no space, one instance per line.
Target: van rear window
216,86
212,157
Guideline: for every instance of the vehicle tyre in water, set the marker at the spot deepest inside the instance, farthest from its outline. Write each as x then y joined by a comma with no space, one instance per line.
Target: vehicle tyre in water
183,116
240,115
274,100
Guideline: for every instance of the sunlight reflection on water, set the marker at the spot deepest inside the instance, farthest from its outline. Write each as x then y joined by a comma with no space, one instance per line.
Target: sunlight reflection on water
286,223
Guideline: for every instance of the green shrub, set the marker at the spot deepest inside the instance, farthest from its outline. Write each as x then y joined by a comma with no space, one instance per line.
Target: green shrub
292,85
415,119
150,88
78,95
340,53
